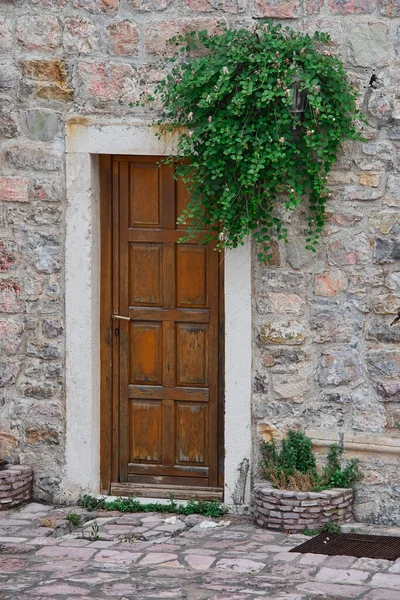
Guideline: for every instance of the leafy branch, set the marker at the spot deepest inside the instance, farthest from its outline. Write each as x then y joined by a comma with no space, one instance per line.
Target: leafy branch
230,96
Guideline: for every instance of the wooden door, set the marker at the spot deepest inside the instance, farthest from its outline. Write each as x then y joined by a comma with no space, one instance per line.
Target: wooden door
166,357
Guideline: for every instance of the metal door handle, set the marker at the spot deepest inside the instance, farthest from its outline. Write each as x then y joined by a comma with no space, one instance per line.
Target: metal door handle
115,316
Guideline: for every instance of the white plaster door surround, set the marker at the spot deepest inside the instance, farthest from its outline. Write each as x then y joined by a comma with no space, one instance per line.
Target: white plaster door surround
85,140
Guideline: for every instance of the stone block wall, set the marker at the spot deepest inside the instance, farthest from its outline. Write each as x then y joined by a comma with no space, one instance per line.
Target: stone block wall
325,357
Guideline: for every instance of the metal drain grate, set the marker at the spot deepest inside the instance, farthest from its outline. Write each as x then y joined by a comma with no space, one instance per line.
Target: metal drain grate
352,544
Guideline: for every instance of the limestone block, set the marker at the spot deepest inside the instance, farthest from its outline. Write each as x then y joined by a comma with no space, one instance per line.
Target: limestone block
383,363
390,8
109,7
44,248
280,9
287,332
8,124
157,35
285,303
387,250
330,283
123,38
370,45
54,4
351,7
32,156
392,195
386,304
80,36
35,435
381,104
102,82
338,367
14,189
389,391
228,6
8,75
38,32
349,250
10,296
5,34
157,5
43,125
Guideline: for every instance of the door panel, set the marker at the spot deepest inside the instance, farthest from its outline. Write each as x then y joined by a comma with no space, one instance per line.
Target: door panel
191,276
145,274
145,429
147,348
192,354
167,367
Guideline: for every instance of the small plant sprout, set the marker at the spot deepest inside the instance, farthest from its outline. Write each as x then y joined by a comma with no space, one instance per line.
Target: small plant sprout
95,531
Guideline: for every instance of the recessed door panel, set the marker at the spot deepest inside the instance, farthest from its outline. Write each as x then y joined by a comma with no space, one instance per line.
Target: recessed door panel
146,353
191,354
145,264
191,276
144,196
191,433
145,427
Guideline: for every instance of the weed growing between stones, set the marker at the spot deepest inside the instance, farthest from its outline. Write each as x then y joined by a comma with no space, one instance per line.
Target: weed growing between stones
327,528
293,466
213,508
95,531
74,519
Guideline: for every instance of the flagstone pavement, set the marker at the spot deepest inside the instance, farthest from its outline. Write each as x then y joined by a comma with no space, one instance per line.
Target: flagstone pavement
153,556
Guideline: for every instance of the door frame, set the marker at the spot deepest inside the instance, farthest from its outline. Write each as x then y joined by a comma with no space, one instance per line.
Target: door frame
86,139
109,353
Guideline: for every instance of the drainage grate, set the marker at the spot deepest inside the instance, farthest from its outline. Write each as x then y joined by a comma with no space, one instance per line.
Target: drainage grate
352,544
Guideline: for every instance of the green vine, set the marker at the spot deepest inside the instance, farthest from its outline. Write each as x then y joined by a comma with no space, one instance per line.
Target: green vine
230,97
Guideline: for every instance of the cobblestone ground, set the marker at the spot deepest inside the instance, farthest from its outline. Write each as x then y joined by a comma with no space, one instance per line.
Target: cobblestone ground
154,556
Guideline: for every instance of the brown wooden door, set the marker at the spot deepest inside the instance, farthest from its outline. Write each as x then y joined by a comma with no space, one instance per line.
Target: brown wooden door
166,357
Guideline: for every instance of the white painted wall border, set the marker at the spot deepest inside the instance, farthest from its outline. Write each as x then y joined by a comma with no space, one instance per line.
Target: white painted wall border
86,139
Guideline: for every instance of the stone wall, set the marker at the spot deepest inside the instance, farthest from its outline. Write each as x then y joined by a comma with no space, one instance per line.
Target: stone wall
325,356
295,511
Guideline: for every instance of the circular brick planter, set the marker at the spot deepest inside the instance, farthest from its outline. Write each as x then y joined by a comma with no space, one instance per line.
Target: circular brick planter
295,511
15,485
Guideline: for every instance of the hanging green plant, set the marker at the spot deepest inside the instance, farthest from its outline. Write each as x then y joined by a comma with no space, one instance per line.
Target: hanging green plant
261,115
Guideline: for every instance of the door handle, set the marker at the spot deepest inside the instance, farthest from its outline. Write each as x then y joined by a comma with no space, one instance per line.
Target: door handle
115,316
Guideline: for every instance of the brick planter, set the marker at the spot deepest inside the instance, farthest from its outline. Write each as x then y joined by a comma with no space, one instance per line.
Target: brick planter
295,511
15,485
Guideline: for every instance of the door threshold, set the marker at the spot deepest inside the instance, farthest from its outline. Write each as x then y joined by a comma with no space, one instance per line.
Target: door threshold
141,500
142,490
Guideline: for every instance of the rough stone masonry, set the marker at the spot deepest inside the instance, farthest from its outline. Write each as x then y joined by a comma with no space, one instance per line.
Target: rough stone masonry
325,358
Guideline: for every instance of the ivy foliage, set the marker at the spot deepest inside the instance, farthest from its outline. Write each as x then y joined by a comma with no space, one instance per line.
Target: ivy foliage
230,97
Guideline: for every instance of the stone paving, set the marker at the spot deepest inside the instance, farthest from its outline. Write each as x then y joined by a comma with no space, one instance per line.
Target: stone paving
154,556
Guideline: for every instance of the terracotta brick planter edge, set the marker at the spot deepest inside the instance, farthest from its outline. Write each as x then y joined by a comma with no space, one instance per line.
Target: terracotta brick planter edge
15,485
287,510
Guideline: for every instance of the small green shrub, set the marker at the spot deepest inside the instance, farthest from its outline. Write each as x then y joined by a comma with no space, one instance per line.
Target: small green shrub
74,519
212,508
293,466
327,528
335,476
